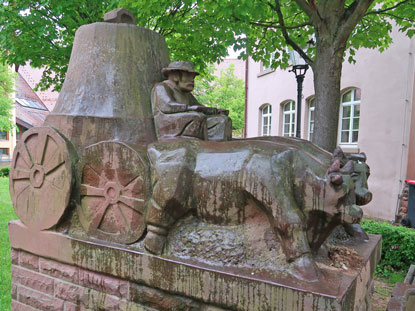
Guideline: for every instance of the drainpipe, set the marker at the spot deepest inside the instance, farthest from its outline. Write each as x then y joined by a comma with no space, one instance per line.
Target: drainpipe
246,96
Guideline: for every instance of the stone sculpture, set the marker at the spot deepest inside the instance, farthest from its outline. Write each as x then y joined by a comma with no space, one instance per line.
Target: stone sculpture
178,113
132,164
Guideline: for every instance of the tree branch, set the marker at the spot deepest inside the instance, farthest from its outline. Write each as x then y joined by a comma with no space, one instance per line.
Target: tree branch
275,25
287,37
388,9
312,13
352,15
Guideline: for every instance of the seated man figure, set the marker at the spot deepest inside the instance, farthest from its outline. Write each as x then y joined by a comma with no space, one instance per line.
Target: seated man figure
178,113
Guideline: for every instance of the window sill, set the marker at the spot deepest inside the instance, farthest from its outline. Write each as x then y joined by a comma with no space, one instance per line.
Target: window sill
265,72
350,148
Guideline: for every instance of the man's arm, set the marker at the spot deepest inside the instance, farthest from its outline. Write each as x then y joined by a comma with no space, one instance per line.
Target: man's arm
163,100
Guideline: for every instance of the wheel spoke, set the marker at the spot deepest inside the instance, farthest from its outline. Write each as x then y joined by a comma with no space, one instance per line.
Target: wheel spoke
17,194
134,203
91,191
39,152
25,156
96,221
54,161
20,174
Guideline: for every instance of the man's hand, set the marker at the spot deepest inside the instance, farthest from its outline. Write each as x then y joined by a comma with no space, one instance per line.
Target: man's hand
204,109
223,112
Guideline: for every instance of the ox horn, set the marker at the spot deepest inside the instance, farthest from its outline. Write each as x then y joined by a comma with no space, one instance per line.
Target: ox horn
348,168
338,153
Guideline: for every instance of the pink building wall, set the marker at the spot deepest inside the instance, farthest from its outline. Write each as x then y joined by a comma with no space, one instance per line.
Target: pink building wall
239,67
386,81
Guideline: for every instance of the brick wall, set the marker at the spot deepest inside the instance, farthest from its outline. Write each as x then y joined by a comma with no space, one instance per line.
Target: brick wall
47,285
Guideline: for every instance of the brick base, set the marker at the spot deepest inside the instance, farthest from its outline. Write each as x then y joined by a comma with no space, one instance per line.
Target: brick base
55,271
47,285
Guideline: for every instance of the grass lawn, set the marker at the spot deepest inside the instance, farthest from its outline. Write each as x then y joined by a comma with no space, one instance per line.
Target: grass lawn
6,214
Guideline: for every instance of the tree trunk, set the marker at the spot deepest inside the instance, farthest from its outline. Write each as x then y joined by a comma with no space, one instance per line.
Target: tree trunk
327,73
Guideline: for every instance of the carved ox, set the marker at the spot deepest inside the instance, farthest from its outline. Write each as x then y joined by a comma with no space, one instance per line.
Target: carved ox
304,191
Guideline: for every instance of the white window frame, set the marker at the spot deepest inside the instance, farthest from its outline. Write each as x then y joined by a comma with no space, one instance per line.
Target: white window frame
353,103
266,115
290,114
310,110
266,68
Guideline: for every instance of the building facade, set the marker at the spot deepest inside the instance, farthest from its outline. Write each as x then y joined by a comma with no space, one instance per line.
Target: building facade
376,114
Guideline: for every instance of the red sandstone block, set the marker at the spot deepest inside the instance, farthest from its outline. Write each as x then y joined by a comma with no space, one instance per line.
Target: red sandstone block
59,270
29,261
104,283
68,292
14,256
17,306
72,307
40,301
32,280
13,292
97,300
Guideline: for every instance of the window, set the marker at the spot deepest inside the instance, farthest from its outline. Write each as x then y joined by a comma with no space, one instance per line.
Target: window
3,135
311,108
288,119
349,117
266,120
4,152
271,60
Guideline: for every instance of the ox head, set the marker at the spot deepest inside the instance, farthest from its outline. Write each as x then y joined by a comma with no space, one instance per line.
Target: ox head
347,189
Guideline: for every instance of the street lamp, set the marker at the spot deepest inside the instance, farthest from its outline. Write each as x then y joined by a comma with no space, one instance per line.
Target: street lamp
299,68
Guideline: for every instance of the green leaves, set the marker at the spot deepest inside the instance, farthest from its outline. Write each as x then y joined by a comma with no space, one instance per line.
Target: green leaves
398,245
6,101
225,91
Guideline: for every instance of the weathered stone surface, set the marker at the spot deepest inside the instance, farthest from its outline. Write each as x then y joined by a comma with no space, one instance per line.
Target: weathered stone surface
32,280
104,283
41,177
59,270
129,57
38,300
114,191
235,289
28,260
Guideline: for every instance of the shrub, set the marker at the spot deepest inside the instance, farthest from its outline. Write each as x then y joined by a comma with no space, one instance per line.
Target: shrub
398,246
4,171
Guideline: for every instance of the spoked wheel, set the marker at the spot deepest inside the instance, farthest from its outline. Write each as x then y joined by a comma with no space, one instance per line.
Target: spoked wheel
41,178
114,191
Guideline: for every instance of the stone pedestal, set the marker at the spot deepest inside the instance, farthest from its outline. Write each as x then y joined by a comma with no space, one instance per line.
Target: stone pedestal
54,271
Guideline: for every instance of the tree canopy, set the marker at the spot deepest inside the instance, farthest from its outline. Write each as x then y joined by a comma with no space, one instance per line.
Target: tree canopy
225,91
6,102
321,31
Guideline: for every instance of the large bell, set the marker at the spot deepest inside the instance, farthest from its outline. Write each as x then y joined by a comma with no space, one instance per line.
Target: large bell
106,93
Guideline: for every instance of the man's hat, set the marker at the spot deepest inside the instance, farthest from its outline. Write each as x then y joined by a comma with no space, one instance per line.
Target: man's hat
183,66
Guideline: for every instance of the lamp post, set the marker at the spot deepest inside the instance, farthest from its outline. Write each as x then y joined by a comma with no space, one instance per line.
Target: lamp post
299,68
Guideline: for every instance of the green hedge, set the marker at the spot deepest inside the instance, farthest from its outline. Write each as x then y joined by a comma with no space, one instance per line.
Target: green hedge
398,245
4,171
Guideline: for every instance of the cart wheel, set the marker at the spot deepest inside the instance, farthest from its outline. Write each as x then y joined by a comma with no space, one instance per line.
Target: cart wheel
114,190
41,178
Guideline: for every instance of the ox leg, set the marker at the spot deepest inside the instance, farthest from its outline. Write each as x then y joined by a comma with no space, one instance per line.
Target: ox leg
171,178
289,220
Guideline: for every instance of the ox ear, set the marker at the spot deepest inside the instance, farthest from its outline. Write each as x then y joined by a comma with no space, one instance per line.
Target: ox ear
363,156
338,153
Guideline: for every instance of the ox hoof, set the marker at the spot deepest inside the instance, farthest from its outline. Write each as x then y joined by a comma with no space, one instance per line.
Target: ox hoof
305,269
154,242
